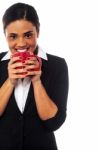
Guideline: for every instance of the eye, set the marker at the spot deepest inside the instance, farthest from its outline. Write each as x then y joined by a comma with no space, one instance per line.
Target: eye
12,36
28,35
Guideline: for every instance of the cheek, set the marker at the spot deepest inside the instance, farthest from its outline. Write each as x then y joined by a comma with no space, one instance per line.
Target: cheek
33,42
8,41
11,44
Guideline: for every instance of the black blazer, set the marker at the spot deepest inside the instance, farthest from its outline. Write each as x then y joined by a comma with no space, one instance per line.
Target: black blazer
27,131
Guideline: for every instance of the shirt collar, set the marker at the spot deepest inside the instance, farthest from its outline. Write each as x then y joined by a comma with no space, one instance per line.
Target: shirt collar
41,54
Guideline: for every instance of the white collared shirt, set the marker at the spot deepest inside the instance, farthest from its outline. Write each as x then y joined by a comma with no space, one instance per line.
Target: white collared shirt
22,87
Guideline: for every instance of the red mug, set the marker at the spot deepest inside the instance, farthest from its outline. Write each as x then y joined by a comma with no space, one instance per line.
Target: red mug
25,55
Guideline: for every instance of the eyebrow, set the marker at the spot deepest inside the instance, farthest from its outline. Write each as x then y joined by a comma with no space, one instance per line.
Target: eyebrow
28,32
23,33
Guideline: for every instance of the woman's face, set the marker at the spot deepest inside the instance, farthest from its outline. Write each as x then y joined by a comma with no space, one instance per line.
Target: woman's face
21,35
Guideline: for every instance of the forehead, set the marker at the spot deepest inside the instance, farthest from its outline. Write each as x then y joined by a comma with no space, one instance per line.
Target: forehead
20,26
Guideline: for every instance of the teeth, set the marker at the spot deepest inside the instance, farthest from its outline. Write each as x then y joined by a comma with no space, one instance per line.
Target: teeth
22,50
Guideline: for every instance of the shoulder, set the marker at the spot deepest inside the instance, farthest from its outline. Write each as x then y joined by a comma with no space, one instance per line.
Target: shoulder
2,54
56,61
54,57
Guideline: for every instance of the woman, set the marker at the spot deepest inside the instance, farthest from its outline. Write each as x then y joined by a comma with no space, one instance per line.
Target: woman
32,105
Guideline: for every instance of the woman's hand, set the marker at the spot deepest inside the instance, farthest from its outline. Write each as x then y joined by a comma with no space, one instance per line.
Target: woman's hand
14,72
33,67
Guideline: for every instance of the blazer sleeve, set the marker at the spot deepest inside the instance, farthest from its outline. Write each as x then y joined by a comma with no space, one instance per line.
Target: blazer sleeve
59,94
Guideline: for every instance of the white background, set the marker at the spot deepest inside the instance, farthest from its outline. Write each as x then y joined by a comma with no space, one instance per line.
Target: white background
70,29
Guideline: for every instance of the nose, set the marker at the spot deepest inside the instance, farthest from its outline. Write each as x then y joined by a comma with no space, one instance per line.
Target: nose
21,42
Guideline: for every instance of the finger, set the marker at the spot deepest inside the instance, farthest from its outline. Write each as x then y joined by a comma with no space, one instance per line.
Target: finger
18,71
13,60
30,67
34,73
33,67
32,58
30,62
16,65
